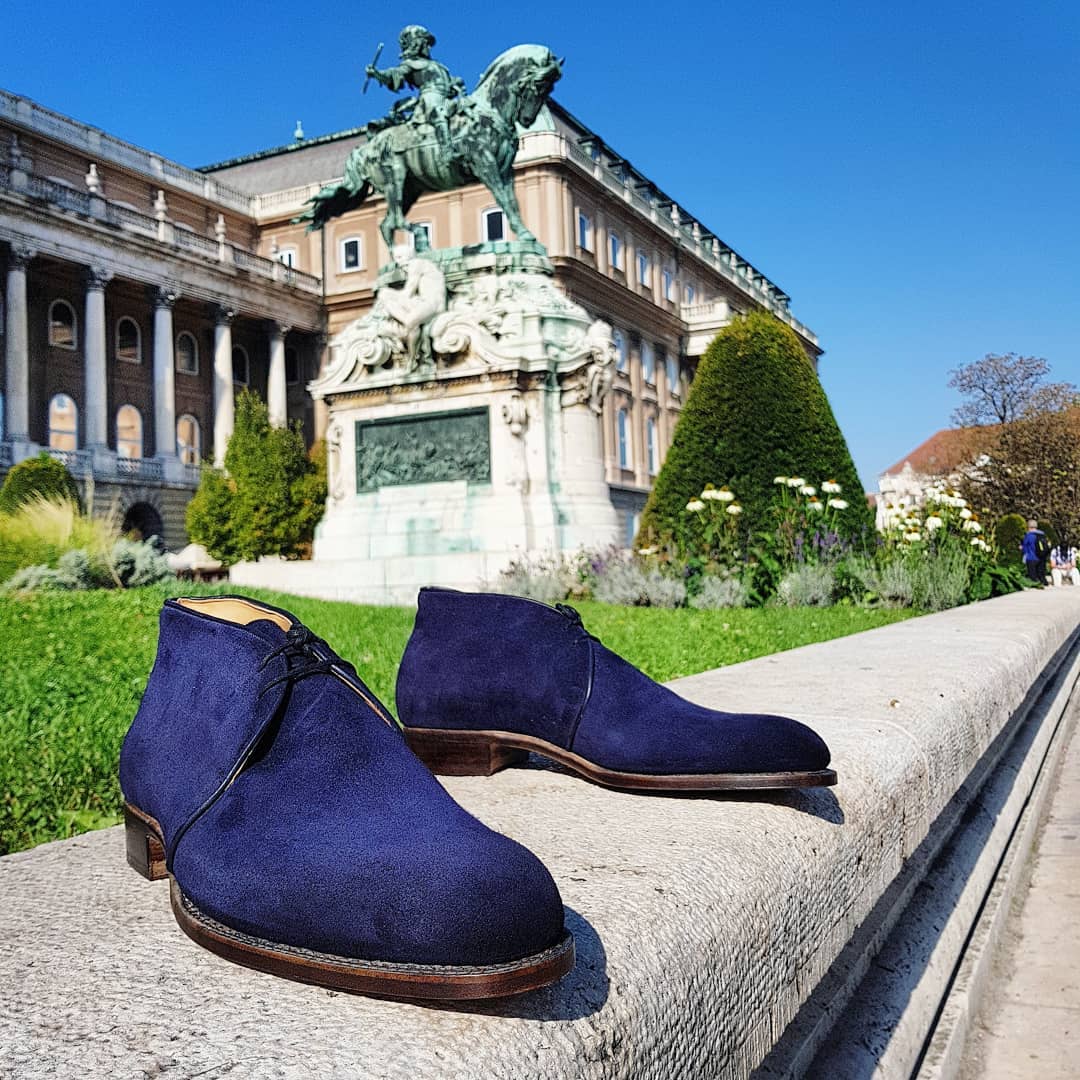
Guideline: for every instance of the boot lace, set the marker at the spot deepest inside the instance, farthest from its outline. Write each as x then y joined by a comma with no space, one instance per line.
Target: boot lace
301,659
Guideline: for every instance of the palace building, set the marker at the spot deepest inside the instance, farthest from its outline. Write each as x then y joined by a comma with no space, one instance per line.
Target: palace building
140,294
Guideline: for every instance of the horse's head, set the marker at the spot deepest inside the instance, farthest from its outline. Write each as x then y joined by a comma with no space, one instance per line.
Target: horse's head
517,83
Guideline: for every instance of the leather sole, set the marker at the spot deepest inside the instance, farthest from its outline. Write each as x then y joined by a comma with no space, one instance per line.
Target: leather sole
481,753
380,978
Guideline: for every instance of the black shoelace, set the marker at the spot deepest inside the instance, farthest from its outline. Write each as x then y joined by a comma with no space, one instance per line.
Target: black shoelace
301,659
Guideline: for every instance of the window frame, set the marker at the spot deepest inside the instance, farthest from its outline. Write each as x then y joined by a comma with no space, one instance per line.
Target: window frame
652,449
138,340
624,438
648,371
667,283
689,294
195,353
293,253
116,432
428,227
671,363
585,234
622,351
182,447
485,216
50,430
73,345
644,268
246,381
343,264
616,250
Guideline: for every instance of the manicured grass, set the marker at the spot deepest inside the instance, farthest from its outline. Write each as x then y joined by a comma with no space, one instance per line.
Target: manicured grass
73,667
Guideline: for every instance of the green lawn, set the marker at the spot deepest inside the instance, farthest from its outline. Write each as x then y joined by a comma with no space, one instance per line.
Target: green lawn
73,667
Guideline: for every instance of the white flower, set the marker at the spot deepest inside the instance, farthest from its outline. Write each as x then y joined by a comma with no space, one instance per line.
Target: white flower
972,526
965,513
979,543
648,551
808,489
815,504
734,508
780,480
933,522
695,506
725,495
831,487
795,481
711,493
838,504
913,537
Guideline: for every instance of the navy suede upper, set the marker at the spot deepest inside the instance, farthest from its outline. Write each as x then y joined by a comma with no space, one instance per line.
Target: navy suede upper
334,836
491,662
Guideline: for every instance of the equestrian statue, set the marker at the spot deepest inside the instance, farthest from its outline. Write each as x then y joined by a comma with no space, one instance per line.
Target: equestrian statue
442,138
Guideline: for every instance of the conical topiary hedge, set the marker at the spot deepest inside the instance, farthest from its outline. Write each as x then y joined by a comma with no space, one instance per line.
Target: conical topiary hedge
756,410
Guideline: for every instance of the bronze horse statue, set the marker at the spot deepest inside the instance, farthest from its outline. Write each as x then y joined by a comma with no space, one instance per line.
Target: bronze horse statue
403,161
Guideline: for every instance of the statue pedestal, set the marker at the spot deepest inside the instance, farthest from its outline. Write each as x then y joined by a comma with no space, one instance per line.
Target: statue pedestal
467,440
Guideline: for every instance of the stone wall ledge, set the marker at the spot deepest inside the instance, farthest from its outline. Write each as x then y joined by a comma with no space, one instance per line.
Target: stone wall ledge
703,923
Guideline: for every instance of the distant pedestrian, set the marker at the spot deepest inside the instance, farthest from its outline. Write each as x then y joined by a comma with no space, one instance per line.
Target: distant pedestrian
1035,548
1063,563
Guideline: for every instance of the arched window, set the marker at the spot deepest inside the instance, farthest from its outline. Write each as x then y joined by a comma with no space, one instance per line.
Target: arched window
63,423
494,225
624,439
187,354
648,364
351,256
673,384
650,446
622,353
292,365
128,432
62,327
188,439
128,341
241,369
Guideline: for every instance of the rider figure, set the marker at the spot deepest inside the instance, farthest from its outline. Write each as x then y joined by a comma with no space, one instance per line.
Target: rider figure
436,85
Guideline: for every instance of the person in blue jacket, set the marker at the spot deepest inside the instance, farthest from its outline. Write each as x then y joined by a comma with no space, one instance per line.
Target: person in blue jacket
1035,548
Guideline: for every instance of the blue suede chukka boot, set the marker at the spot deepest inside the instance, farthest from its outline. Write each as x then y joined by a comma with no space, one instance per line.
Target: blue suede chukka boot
301,835
486,678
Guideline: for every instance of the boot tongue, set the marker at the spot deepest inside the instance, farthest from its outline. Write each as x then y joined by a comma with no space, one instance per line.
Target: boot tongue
267,630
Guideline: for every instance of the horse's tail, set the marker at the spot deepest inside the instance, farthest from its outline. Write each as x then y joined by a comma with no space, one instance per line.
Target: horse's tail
332,202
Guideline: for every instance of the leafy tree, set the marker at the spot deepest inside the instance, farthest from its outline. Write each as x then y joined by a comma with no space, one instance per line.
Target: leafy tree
41,476
756,410
269,497
1008,534
1033,470
1000,389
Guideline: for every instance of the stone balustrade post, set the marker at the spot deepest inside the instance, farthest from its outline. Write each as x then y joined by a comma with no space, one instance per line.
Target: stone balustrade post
224,406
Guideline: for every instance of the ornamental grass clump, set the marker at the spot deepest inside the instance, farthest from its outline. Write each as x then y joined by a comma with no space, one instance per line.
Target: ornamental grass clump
42,528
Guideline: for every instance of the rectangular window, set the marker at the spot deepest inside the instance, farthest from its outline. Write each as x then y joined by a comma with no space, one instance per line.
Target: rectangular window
287,256
643,268
648,364
690,294
494,225
584,232
425,228
669,283
615,246
351,254
624,439
673,375
650,435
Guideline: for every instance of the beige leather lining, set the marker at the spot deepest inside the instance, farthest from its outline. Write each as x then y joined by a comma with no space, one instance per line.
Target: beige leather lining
240,612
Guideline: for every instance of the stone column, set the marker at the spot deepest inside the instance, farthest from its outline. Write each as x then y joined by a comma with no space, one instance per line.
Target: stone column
17,351
223,383
95,374
276,395
164,373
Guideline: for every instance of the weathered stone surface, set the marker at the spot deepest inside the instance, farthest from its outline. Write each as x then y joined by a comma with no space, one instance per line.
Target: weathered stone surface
702,922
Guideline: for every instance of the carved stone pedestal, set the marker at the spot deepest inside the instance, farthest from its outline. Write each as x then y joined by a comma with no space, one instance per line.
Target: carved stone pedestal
464,426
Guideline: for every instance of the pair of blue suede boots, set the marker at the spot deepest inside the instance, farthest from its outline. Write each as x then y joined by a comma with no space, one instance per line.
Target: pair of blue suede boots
303,833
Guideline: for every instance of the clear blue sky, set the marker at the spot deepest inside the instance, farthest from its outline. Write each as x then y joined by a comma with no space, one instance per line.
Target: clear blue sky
908,173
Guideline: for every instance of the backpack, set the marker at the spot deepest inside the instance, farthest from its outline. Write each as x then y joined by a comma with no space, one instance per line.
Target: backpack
1042,546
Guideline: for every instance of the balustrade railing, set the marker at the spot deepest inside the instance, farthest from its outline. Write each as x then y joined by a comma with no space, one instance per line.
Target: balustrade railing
77,462
139,468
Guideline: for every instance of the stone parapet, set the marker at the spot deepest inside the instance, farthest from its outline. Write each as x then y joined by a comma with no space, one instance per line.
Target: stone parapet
703,923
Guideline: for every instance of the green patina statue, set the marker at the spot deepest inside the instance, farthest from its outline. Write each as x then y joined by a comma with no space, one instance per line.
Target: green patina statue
442,139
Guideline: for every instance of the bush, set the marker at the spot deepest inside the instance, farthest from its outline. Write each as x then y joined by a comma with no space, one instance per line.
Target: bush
810,585
39,477
1008,533
939,581
720,591
629,583
128,565
41,530
548,579
270,496
138,562
756,409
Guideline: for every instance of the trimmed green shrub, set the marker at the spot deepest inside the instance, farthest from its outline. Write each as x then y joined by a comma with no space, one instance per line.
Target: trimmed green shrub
40,476
270,496
1008,533
756,410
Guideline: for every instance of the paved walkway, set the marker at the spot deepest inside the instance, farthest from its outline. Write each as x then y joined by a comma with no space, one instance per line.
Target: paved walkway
1030,1027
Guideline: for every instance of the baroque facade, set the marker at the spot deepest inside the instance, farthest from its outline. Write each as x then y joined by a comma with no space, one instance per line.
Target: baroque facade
140,294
